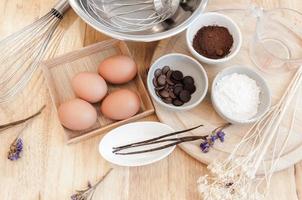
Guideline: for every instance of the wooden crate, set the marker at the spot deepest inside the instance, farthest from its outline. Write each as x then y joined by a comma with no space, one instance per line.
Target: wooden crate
59,72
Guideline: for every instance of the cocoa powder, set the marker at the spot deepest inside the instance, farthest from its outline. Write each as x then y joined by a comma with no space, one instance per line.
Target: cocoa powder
213,42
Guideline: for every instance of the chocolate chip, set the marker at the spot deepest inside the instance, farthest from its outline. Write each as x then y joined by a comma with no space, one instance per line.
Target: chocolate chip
172,87
177,90
175,81
164,94
169,87
188,80
177,102
178,85
157,73
185,96
172,95
169,74
177,75
169,79
167,100
161,80
154,81
190,88
156,92
170,82
159,88
165,69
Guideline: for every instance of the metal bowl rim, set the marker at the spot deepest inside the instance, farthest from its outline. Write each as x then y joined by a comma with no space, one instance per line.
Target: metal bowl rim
142,38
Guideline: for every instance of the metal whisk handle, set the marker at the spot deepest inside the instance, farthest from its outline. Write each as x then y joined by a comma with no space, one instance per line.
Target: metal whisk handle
60,8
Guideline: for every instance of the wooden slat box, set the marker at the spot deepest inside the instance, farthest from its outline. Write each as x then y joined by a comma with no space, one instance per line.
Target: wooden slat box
59,72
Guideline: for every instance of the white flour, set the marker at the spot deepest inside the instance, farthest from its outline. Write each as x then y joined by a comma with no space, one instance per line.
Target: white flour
237,96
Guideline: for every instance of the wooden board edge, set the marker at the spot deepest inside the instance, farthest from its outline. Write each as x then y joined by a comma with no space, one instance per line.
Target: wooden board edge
107,128
82,52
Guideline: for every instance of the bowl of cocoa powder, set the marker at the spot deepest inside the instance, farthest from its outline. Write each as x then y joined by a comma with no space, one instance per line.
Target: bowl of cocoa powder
214,38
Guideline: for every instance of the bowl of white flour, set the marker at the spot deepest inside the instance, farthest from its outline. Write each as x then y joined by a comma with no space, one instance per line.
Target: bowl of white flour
240,95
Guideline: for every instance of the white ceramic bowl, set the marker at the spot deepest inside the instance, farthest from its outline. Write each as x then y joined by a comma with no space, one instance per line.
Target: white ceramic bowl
135,132
189,67
265,94
209,19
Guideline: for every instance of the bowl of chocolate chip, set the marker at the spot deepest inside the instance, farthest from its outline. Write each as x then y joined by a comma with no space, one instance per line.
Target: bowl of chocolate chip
213,38
177,82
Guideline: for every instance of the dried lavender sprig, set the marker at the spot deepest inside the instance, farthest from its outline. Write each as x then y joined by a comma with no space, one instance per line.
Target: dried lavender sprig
15,149
89,192
216,134
12,124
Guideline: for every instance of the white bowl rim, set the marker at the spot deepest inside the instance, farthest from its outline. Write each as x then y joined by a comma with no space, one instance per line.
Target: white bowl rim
265,85
183,107
210,60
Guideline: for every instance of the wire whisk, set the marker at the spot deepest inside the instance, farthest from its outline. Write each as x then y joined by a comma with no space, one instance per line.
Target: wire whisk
22,52
131,15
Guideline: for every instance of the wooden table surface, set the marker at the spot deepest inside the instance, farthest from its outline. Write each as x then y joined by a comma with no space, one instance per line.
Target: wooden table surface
51,170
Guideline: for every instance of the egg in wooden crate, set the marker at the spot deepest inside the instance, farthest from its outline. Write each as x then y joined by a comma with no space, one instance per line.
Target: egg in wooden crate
59,73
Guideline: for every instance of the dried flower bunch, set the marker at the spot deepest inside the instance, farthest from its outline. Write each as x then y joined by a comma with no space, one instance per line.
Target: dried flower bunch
88,193
228,183
235,178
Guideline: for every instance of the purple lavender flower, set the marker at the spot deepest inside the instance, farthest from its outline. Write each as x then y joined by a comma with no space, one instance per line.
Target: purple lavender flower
87,194
209,140
220,135
15,149
74,197
78,196
213,138
205,146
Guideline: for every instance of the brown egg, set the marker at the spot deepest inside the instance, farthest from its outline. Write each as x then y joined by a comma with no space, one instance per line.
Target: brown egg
89,86
120,104
77,114
118,69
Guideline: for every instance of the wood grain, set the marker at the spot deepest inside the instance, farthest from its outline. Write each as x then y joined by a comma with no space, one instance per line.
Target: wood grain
52,170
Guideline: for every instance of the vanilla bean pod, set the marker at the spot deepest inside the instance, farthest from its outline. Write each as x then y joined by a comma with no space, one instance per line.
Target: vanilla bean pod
188,139
156,138
208,141
177,141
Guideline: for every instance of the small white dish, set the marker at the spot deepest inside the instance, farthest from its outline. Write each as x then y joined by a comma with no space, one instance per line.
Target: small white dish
265,94
209,19
189,67
130,133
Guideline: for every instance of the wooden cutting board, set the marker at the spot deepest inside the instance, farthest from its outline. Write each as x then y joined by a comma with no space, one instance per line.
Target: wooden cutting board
205,114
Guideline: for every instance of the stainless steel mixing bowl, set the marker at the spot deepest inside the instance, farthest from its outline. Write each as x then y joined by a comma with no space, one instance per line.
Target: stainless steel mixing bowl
187,12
